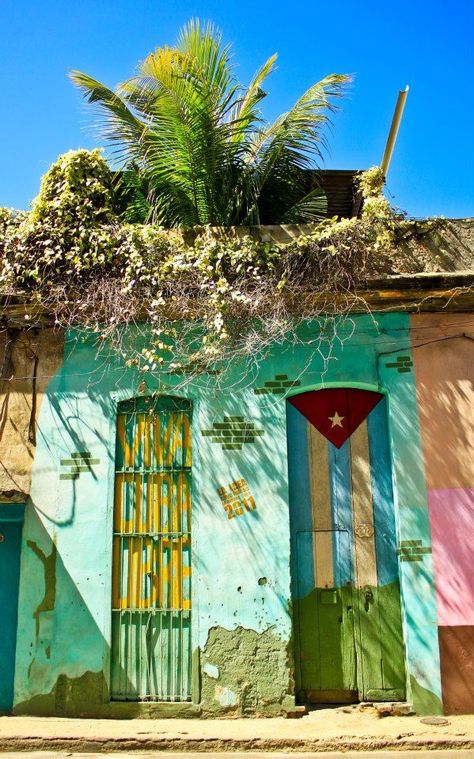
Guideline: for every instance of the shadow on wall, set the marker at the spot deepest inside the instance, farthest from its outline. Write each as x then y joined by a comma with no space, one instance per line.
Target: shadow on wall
62,656
445,384
28,361
244,479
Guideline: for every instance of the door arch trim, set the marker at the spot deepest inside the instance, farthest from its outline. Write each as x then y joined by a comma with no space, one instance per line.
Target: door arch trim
370,387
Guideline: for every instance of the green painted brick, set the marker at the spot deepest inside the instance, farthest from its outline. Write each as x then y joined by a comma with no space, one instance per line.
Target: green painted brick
291,383
81,455
411,543
78,462
70,476
281,376
262,391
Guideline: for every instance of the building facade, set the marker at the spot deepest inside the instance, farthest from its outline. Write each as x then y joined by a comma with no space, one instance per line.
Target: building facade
299,535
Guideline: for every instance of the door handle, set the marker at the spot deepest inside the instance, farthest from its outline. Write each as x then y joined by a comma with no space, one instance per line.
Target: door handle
369,597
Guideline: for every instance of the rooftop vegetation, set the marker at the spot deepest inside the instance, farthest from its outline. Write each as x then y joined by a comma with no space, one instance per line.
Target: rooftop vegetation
154,246
207,295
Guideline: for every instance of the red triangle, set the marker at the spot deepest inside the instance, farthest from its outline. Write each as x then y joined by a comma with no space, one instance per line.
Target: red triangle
336,412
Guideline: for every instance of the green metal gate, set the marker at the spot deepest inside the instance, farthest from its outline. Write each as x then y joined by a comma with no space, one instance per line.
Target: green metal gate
151,581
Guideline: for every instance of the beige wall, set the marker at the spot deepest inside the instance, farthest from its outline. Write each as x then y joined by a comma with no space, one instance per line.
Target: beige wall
17,399
443,348
444,365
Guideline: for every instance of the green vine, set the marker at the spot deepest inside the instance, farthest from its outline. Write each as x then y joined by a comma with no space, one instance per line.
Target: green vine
72,254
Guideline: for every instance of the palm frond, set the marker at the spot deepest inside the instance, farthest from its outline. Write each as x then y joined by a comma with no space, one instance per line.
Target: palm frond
196,138
296,137
118,123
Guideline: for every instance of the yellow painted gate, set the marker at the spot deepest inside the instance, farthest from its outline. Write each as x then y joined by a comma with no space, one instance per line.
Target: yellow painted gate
151,583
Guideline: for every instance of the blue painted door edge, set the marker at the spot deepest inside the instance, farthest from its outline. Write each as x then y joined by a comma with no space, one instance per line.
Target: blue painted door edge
11,526
12,512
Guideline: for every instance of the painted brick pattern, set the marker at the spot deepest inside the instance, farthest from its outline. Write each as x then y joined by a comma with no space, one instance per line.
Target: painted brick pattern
279,386
80,461
412,550
233,432
401,364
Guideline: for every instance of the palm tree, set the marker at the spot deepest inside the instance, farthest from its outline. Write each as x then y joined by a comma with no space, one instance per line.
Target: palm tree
198,143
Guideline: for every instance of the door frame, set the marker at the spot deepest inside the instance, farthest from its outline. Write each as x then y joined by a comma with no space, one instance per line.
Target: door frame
370,387
156,707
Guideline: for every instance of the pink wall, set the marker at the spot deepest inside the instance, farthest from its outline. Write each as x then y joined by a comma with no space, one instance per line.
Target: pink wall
443,350
452,535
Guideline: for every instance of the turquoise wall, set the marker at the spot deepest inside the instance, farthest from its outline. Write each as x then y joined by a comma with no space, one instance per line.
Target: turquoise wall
241,575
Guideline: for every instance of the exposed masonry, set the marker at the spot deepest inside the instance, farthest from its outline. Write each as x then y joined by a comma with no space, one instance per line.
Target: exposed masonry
245,672
401,364
279,386
81,461
232,432
412,550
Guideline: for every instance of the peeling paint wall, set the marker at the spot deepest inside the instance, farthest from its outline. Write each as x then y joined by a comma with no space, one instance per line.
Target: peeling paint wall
241,598
28,360
245,672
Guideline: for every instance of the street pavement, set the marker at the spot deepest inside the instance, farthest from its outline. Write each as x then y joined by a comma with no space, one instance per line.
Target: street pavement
435,754
347,731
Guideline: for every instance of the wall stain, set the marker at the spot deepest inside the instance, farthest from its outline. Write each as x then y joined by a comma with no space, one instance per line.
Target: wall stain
48,601
70,696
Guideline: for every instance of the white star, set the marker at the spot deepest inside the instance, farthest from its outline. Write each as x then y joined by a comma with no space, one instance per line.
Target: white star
336,420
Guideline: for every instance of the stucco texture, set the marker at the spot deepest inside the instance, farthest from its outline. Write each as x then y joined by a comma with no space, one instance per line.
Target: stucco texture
28,360
241,599
443,347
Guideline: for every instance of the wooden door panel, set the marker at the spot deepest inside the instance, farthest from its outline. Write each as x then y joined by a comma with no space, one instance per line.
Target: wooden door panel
325,636
349,641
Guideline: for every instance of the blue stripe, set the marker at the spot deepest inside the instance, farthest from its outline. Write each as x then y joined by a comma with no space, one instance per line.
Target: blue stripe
302,568
382,495
341,508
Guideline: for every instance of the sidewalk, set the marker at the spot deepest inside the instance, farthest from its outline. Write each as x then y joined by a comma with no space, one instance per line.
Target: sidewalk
321,730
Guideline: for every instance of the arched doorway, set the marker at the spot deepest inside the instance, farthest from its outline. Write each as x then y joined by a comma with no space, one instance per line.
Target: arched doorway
345,586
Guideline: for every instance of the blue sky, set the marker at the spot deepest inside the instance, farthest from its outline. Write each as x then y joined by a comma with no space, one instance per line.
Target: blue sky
384,44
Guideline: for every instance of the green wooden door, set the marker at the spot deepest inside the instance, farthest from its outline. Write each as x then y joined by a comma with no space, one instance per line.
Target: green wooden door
324,619
151,582
348,630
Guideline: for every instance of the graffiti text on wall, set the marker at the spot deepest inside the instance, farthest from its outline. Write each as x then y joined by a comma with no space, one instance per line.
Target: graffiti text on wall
236,498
